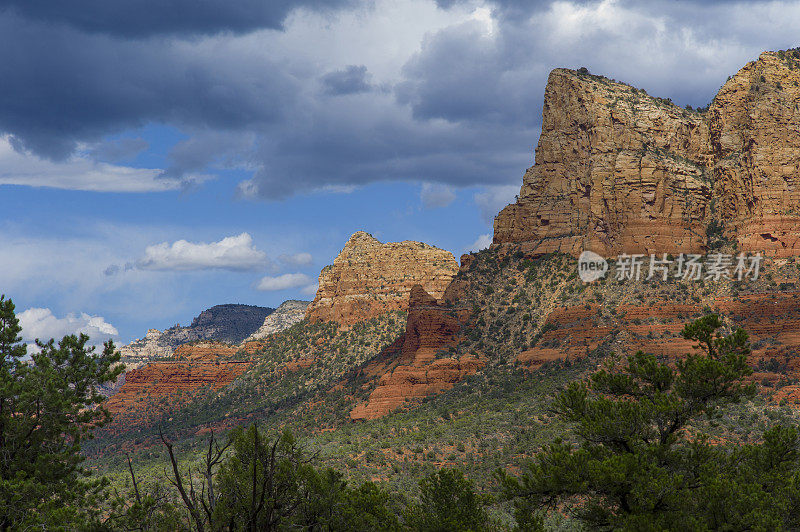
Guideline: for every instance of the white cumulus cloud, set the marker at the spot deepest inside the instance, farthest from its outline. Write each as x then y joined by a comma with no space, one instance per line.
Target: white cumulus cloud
43,324
282,282
230,253
79,173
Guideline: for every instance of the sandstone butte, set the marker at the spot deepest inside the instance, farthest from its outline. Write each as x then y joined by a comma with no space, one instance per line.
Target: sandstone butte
616,171
369,278
619,171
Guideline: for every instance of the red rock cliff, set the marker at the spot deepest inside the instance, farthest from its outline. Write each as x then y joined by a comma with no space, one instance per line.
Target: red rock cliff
415,371
369,278
619,171
194,366
754,125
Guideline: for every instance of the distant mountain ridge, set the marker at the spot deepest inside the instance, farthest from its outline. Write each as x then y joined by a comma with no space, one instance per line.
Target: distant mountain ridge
229,323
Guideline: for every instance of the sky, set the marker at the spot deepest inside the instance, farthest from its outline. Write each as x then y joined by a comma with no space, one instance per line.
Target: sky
158,158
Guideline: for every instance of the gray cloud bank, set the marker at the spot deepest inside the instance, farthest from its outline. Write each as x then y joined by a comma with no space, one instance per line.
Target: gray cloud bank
294,95
143,18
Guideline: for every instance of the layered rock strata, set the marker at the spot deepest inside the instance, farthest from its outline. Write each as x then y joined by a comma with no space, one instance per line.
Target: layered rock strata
619,171
164,380
153,345
754,134
204,351
193,366
369,278
772,321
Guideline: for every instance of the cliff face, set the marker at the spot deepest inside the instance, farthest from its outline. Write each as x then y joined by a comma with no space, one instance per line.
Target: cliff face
369,278
619,171
164,380
412,367
193,366
151,346
754,133
204,351
771,319
221,323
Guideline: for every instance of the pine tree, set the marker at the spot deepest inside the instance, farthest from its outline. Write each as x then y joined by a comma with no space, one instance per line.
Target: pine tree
639,464
49,403
448,503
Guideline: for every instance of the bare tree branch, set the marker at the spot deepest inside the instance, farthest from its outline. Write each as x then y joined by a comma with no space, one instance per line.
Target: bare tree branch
133,478
178,483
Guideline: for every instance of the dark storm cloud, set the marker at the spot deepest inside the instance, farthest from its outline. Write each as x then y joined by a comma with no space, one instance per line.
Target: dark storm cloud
464,109
475,96
351,80
206,148
61,87
528,6
460,75
469,73
142,18
367,140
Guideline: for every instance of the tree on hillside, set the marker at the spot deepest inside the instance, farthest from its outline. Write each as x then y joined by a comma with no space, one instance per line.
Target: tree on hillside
255,482
259,486
147,506
48,405
201,500
448,503
640,466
